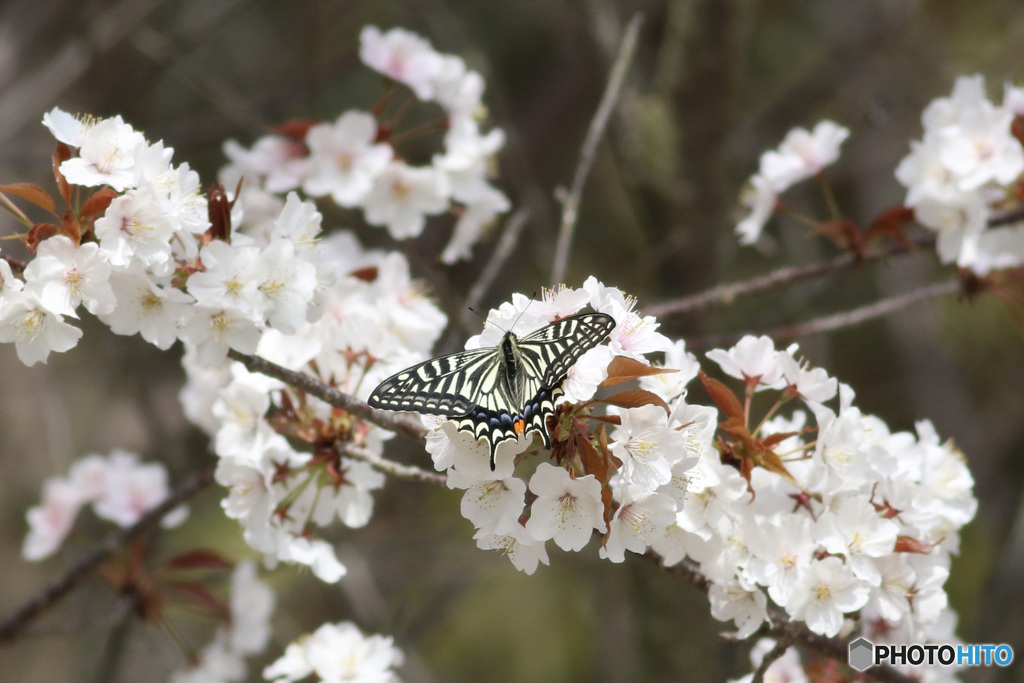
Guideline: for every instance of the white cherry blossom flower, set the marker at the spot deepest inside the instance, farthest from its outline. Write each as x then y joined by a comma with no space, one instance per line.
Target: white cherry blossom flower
64,276
344,158
215,329
567,509
252,603
134,228
34,328
746,607
229,278
51,521
524,551
146,308
106,155
402,56
65,127
647,446
494,506
803,154
639,519
336,653
752,358
854,529
761,198
402,196
826,591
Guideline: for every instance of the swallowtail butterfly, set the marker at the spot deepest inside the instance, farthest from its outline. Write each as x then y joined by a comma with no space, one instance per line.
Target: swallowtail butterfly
502,392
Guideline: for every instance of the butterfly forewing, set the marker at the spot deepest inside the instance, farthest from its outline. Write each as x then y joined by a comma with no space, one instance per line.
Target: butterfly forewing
489,396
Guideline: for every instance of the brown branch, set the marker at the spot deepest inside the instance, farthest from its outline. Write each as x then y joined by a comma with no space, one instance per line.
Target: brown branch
726,294
328,394
505,247
588,152
837,321
16,622
397,470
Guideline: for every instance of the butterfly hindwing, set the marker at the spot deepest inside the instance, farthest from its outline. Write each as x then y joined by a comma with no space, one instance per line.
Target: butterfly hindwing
500,393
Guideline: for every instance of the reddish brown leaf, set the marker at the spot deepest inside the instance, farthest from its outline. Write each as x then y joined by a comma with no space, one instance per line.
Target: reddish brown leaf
31,192
39,232
890,222
776,439
98,202
368,274
199,559
61,153
295,129
771,462
593,462
200,595
218,209
1017,128
843,232
623,369
723,398
635,398
70,227
907,544
607,419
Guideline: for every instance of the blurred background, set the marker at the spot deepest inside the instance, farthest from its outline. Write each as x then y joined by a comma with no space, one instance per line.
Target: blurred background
714,84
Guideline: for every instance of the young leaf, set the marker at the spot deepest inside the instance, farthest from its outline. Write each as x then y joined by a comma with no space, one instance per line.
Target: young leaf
723,398
32,193
98,202
623,369
199,559
635,398
61,153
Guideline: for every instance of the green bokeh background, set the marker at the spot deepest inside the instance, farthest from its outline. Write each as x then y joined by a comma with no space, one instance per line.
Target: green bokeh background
714,84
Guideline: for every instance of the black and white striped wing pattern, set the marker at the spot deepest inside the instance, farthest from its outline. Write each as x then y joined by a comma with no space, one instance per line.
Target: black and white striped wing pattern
498,393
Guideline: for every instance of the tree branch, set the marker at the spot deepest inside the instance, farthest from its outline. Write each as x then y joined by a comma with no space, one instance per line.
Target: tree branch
397,470
837,321
588,152
726,294
506,245
328,394
16,622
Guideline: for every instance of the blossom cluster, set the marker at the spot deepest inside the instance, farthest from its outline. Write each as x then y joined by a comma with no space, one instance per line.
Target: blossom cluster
802,155
860,519
375,321
338,653
245,633
356,160
119,488
962,170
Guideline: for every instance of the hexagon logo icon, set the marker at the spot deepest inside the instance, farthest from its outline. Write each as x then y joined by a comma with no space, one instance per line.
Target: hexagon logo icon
862,654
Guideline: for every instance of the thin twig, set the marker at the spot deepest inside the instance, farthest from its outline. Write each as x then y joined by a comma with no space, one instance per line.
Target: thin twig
726,294
392,468
837,321
588,152
18,620
770,658
509,239
329,394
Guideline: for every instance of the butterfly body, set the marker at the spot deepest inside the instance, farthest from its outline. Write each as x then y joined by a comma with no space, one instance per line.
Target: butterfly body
498,393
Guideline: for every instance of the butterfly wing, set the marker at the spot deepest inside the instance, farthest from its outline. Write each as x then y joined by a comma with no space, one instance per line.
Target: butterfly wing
486,398
557,347
447,385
